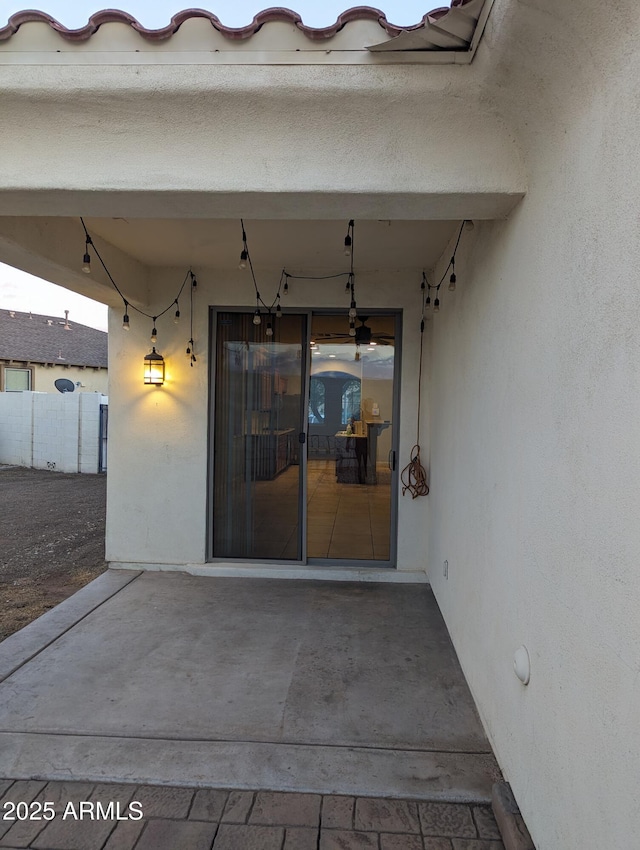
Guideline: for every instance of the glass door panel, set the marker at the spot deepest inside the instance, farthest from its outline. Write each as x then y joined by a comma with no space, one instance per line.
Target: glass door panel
259,414
352,399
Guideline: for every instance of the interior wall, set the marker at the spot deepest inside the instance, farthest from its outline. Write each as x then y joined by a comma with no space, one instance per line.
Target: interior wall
160,434
534,410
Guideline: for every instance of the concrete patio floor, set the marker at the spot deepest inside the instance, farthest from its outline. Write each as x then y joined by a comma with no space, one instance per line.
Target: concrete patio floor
321,687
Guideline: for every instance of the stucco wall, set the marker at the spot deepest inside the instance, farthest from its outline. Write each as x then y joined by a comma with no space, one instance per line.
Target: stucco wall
91,380
270,142
534,413
160,435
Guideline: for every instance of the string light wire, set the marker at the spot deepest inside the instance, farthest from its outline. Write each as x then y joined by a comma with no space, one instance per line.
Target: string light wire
414,476
426,302
89,243
285,276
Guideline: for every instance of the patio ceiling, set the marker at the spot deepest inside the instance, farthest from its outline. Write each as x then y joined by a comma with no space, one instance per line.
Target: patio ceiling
298,245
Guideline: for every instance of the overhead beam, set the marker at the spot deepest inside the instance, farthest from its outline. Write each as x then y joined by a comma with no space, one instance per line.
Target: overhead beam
268,142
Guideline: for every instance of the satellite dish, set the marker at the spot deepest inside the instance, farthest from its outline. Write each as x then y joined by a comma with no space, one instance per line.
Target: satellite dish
64,385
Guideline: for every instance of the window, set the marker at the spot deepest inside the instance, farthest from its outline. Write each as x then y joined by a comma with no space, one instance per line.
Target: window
316,401
350,401
16,380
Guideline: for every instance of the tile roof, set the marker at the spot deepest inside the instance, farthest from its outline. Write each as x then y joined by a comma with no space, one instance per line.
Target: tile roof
43,339
358,13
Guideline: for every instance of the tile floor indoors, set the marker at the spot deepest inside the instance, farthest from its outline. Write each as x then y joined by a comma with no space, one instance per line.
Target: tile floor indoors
344,521
212,819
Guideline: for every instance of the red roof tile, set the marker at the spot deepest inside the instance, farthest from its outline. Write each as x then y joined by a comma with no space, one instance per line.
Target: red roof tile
358,13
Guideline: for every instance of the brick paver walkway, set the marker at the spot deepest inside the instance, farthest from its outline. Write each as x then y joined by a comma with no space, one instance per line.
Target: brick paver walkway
78,816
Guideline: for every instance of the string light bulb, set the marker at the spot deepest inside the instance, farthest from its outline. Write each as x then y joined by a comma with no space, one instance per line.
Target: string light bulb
257,319
452,282
244,254
269,330
348,242
126,323
285,288
427,304
86,260
436,305
352,328
352,310
278,309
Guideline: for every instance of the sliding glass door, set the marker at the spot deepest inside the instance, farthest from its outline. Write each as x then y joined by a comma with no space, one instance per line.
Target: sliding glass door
257,427
304,438
351,446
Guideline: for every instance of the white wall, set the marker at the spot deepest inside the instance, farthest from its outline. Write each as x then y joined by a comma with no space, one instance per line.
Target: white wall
157,486
534,413
269,142
58,432
16,428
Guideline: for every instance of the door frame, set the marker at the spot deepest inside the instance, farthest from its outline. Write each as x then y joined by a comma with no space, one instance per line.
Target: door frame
307,313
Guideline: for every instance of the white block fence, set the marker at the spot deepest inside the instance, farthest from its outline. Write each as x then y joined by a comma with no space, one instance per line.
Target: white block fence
60,432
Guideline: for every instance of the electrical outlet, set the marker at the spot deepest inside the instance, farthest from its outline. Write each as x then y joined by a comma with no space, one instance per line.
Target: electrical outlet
445,569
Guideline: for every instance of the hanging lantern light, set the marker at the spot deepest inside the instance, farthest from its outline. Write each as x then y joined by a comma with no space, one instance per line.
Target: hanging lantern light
154,368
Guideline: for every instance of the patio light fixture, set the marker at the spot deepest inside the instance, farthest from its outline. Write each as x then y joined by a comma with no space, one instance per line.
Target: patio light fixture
154,368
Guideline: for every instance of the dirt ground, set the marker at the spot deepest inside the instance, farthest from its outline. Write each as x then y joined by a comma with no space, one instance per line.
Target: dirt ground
51,540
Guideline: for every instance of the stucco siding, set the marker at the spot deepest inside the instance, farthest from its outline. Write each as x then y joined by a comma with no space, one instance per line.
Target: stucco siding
162,434
534,413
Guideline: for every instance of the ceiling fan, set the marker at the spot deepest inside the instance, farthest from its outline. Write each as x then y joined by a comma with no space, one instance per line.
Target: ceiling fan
364,335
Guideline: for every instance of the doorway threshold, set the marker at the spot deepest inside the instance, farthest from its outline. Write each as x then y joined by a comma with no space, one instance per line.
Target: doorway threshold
275,570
